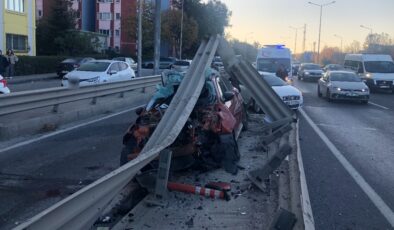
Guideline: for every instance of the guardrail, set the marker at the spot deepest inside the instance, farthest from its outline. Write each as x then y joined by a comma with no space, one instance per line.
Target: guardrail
81,209
27,100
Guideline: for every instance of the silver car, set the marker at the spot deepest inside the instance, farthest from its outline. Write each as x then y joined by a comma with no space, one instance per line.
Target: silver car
342,85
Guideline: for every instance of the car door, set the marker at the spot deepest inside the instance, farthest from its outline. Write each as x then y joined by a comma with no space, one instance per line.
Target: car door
235,104
126,72
113,72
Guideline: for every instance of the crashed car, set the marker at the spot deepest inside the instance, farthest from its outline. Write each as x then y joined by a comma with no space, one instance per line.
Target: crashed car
208,138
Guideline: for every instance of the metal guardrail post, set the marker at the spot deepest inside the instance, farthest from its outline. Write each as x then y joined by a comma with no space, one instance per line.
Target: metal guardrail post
94,101
55,108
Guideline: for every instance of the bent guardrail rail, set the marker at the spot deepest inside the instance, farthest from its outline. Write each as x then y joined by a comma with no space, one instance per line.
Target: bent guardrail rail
27,100
80,210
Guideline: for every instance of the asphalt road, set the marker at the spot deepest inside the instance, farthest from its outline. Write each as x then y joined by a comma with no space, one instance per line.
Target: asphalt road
37,175
49,83
348,165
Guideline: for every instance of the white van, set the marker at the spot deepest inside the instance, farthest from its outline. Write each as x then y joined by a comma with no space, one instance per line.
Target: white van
377,70
271,57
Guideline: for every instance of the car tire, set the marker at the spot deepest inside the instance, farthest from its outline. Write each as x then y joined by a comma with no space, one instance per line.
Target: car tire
328,96
319,94
150,66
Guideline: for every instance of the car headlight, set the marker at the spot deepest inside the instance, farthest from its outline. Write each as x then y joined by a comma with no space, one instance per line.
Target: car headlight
368,75
307,73
95,79
365,90
337,89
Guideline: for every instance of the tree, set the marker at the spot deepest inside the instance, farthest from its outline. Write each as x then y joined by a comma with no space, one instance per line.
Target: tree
61,20
246,50
378,43
331,55
171,30
354,47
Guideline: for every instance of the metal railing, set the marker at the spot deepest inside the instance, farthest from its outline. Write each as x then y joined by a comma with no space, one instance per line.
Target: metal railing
28,100
81,209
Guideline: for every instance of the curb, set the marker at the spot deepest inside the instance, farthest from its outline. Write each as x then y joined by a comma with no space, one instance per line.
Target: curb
29,78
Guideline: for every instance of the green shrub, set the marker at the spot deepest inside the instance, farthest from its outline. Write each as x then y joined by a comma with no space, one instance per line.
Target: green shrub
29,65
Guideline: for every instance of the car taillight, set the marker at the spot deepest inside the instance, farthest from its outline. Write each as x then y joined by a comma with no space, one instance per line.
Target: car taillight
4,82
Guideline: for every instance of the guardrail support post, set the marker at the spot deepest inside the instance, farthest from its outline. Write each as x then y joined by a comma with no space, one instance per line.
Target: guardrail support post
121,95
163,172
94,100
55,108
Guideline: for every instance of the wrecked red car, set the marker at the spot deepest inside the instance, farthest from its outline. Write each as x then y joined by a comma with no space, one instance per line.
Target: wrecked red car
209,137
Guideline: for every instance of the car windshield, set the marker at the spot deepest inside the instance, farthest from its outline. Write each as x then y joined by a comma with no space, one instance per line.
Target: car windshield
312,67
182,63
379,66
72,60
274,81
334,67
271,65
94,66
348,77
119,59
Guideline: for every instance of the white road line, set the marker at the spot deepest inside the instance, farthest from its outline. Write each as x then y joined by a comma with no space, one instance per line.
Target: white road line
368,190
30,141
309,222
377,105
341,126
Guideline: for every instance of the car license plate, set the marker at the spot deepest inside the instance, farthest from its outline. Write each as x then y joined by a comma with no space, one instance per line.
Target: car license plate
384,86
291,102
352,95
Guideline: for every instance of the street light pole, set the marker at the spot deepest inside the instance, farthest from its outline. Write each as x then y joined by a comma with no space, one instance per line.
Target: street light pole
139,45
156,64
180,43
368,28
340,37
295,40
321,13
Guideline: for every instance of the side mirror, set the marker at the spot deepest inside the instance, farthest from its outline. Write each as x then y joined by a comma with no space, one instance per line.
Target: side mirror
111,72
228,96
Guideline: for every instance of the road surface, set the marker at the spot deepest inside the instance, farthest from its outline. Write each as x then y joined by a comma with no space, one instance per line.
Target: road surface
348,155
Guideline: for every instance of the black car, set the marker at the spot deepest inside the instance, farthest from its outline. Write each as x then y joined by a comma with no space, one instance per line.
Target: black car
333,67
165,63
70,64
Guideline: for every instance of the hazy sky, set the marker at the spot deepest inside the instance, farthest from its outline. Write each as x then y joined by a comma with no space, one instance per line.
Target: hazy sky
268,21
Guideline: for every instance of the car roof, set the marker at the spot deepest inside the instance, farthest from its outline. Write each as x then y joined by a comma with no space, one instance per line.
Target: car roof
110,61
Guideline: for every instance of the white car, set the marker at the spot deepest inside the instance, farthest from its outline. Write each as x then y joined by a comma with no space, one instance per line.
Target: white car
98,71
3,86
181,66
128,60
290,95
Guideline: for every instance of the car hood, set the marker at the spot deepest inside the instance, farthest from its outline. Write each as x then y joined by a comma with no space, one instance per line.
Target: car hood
286,90
383,76
266,73
83,75
349,85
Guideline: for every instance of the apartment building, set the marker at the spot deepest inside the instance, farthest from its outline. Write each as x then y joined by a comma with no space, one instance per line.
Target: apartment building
17,26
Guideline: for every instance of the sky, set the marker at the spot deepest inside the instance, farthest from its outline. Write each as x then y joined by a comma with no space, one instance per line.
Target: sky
268,21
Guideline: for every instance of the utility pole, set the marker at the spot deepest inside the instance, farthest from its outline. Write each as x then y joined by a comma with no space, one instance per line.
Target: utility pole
295,40
321,13
304,40
314,51
157,37
180,45
341,38
139,45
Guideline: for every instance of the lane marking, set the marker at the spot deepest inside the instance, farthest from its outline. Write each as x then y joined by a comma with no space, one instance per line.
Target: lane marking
30,141
368,190
377,105
309,222
341,126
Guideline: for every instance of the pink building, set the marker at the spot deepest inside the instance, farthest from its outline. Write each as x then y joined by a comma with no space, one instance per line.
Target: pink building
108,21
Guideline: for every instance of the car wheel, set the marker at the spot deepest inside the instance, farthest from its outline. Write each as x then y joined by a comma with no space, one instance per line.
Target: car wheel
150,66
328,96
319,94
